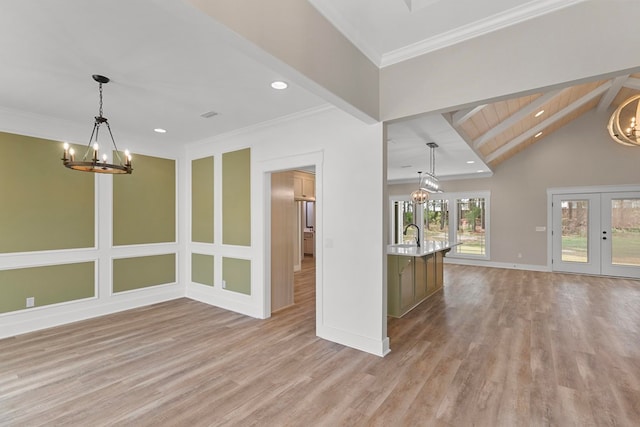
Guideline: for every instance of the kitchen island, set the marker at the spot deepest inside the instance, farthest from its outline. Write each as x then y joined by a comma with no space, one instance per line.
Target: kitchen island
413,274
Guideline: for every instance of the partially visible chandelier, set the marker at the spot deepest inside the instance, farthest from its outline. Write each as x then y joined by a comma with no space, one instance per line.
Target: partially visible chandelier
428,184
420,195
623,124
98,164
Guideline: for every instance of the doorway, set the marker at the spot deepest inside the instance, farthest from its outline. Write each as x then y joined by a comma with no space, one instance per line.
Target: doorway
292,240
596,233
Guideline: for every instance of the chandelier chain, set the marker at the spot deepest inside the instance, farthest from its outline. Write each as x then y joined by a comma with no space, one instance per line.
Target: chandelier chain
100,90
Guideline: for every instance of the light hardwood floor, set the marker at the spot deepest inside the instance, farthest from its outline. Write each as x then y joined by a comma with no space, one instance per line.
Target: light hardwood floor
494,348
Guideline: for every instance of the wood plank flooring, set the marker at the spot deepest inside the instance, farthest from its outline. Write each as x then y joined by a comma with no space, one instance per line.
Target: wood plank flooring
494,348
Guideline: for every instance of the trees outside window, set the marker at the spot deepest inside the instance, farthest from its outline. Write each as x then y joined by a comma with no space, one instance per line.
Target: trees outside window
455,217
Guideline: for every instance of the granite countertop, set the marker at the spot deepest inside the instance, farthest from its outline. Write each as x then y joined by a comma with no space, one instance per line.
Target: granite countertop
426,248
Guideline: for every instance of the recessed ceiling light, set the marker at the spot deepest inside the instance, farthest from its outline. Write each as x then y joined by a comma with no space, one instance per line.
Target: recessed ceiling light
539,113
537,134
470,162
160,130
279,85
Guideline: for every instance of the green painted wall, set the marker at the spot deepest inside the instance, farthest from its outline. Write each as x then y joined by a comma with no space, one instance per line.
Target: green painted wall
144,203
202,269
48,285
202,200
43,205
237,275
142,272
236,198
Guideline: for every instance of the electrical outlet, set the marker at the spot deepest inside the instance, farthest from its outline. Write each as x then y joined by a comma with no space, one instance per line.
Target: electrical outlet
224,284
31,301
519,255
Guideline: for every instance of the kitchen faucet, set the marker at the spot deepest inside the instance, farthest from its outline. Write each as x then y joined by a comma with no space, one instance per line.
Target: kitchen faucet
404,233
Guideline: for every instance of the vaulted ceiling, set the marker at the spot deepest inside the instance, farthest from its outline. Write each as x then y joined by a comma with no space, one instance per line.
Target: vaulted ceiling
497,131
475,140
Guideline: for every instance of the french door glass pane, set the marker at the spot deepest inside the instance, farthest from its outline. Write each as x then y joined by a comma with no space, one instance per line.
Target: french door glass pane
436,220
471,226
625,232
575,231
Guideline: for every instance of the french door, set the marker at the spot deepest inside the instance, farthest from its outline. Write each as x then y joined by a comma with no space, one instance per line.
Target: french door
596,233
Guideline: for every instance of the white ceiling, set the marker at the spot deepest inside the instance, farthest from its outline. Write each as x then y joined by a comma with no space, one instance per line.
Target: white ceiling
408,153
390,31
169,64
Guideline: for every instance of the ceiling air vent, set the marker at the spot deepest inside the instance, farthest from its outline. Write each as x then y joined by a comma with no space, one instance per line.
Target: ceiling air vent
208,114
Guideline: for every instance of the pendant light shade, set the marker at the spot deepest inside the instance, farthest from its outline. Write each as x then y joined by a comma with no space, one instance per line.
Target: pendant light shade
430,182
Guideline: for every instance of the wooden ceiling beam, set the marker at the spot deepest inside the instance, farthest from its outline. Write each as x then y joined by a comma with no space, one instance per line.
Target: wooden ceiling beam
632,83
462,116
548,122
608,97
527,110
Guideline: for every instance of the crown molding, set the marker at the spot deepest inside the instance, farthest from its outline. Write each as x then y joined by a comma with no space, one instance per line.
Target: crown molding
496,22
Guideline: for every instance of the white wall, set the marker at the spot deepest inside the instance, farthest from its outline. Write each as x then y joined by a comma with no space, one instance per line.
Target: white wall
348,157
577,155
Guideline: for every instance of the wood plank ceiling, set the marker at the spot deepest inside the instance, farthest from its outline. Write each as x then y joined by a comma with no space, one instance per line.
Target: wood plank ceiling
500,130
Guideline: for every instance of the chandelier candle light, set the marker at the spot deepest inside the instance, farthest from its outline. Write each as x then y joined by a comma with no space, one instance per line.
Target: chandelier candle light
97,164
420,195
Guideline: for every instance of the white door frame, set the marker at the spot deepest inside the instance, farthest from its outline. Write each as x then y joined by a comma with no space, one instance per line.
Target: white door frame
266,168
551,192
608,268
593,265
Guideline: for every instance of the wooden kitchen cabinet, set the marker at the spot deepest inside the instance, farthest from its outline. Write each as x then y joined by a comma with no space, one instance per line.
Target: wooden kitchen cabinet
309,243
309,186
411,280
304,186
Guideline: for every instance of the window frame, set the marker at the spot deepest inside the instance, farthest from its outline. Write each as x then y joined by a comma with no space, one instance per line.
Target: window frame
452,204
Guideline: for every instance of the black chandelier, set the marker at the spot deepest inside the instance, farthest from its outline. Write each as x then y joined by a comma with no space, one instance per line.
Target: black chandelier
97,164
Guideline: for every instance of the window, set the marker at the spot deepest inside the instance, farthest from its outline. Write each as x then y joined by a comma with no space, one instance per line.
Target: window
470,231
402,216
436,220
454,217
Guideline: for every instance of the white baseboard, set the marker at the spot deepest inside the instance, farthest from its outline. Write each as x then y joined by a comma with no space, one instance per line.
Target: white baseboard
369,345
483,263
38,318
211,296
